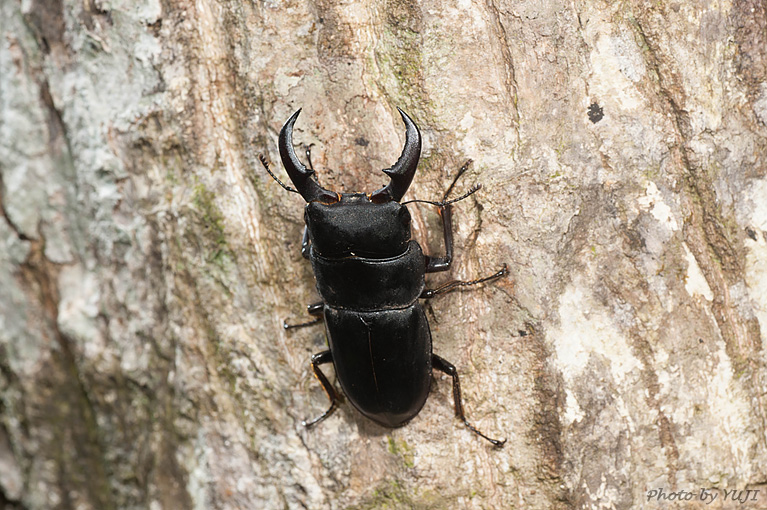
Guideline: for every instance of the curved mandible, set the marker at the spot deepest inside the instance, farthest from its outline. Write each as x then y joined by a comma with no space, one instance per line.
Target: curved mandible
401,174
298,173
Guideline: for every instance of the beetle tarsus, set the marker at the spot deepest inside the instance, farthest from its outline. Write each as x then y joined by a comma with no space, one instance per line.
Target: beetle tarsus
318,359
461,171
445,366
312,322
315,310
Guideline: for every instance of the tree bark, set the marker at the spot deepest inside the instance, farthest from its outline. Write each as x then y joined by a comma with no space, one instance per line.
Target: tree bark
147,260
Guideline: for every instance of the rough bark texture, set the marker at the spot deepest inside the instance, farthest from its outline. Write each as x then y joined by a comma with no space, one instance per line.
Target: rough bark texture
147,260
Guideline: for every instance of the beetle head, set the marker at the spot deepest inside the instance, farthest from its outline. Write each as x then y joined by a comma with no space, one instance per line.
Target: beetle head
364,224
356,226
400,175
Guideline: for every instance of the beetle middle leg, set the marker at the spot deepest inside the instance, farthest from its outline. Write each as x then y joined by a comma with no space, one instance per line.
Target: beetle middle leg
318,359
455,284
445,366
315,310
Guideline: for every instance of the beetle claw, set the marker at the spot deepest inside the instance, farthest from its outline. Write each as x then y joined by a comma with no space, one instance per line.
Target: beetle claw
403,171
301,177
498,443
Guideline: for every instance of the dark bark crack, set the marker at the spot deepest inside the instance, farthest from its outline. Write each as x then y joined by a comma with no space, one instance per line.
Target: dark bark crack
7,503
714,240
75,414
510,80
21,235
547,428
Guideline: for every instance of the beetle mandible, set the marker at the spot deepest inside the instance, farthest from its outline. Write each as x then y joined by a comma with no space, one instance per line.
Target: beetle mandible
370,277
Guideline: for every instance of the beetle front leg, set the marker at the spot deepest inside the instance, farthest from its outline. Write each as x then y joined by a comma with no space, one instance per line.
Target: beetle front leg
306,244
436,264
318,359
315,310
445,366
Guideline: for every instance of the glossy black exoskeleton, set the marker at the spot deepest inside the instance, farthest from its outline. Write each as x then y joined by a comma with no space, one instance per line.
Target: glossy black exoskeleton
370,276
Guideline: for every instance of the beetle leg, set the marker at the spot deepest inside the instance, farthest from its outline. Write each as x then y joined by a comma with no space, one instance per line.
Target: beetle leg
445,366
436,264
461,171
320,359
452,285
315,310
309,156
306,244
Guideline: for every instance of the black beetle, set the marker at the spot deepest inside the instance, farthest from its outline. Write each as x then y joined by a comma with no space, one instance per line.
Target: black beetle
370,276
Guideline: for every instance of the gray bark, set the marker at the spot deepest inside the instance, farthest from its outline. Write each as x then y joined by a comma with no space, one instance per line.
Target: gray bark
147,260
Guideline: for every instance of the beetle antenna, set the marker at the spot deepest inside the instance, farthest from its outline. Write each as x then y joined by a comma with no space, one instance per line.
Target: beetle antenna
266,165
444,202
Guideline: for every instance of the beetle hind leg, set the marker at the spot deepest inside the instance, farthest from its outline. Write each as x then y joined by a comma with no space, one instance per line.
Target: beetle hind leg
445,366
318,359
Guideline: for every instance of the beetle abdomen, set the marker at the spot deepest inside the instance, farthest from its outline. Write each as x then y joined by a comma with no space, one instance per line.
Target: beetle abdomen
369,284
382,360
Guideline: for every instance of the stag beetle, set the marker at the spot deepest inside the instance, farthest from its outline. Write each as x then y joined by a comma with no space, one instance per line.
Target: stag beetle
370,276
